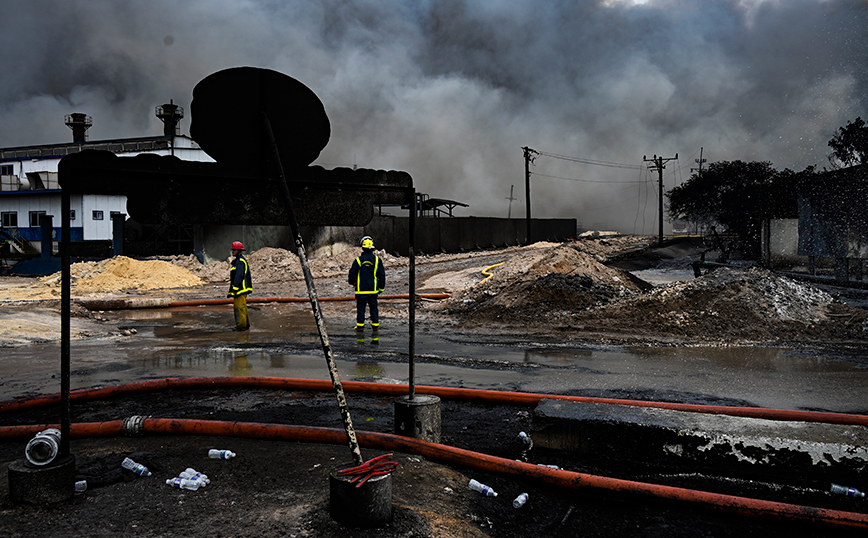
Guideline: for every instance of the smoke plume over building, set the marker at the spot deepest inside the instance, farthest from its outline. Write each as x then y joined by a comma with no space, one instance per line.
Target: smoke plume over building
451,90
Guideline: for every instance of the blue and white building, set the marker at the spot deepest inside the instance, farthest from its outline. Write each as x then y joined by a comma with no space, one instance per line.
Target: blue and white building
29,182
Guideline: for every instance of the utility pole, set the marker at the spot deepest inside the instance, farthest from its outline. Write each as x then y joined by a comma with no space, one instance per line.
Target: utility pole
509,213
528,158
659,166
699,161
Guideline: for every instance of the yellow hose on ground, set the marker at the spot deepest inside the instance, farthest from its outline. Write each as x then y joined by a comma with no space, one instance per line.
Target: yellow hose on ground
489,275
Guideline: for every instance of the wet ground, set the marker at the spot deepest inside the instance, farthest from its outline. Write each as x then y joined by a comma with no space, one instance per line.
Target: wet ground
194,341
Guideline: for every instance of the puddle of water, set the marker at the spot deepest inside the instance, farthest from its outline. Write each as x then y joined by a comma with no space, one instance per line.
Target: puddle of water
283,342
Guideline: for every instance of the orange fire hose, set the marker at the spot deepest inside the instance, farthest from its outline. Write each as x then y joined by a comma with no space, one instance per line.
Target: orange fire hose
165,302
446,393
202,302
742,506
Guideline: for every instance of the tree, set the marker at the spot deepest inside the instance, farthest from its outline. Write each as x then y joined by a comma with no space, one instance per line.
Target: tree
737,196
849,145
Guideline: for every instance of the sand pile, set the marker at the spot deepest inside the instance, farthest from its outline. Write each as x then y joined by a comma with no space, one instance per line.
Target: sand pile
278,265
537,283
120,274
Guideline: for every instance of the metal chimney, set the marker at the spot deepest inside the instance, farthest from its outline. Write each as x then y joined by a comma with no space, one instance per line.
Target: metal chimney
171,115
79,123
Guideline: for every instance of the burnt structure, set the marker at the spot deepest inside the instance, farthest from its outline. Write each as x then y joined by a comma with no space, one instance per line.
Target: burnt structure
832,219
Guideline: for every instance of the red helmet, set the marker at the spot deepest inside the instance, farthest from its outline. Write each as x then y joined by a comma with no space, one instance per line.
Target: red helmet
237,246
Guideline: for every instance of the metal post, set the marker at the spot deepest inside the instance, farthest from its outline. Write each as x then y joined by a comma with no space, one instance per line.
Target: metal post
314,300
412,253
65,333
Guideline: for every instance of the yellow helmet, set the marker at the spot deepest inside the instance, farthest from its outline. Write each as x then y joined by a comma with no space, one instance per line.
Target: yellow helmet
367,242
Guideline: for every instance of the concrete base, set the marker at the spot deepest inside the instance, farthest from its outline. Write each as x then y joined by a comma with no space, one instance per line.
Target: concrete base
691,442
418,417
367,506
42,485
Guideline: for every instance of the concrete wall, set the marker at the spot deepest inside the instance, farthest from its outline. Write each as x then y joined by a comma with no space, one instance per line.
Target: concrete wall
781,245
389,233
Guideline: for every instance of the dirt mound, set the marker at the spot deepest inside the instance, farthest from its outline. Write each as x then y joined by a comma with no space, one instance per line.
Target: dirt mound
279,265
733,304
545,282
120,274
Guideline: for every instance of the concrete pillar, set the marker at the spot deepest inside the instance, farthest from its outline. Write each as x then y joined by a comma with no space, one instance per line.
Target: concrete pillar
366,506
418,417
42,485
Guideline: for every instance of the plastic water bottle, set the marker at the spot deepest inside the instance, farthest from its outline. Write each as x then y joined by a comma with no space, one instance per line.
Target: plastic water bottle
81,486
525,438
482,488
137,468
220,454
193,474
849,492
519,501
183,483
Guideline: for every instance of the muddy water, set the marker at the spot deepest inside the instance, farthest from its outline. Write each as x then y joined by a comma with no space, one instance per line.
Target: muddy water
283,342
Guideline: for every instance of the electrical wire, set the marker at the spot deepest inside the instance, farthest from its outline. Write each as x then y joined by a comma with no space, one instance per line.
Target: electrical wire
582,180
590,161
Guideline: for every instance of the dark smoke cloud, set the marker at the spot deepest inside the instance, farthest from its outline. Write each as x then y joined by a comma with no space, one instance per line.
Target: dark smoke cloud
451,90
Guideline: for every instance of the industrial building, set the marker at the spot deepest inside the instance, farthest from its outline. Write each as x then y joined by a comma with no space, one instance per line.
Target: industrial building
100,227
30,193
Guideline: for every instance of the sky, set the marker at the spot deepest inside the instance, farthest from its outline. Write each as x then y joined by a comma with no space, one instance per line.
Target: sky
452,90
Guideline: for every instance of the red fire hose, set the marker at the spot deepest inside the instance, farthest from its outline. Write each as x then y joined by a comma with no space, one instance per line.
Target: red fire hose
446,393
742,506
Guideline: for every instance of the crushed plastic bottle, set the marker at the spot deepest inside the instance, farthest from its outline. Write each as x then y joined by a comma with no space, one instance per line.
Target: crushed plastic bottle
137,468
849,492
482,488
519,501
193,474
183,483
81,486
220,454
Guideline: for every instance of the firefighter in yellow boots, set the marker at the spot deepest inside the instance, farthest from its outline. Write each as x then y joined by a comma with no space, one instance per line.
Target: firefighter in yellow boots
368,276
240,284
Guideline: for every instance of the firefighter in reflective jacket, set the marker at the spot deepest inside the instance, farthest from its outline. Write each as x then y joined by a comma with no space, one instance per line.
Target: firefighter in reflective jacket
240,284
369,278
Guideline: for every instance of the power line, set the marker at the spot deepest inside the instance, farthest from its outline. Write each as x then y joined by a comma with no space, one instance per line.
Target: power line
591,161
584,180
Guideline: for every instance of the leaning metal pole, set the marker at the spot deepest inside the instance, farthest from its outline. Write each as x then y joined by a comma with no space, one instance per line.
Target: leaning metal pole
314,300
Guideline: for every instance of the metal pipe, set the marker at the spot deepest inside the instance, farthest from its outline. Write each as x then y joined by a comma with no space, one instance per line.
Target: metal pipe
412,336
65,323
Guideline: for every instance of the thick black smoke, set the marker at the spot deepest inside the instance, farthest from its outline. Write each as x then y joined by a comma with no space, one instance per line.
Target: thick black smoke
451,90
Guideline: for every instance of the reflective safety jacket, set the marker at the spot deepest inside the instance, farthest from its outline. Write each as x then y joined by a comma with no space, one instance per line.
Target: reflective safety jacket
240,282
367,273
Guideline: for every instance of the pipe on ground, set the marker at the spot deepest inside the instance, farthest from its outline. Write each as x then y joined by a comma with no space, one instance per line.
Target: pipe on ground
165,302
742,506
445,393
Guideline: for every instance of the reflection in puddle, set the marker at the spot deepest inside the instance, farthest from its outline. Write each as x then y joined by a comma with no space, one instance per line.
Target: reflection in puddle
197,341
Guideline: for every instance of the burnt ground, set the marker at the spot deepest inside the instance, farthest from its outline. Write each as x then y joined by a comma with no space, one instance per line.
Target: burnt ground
280,488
